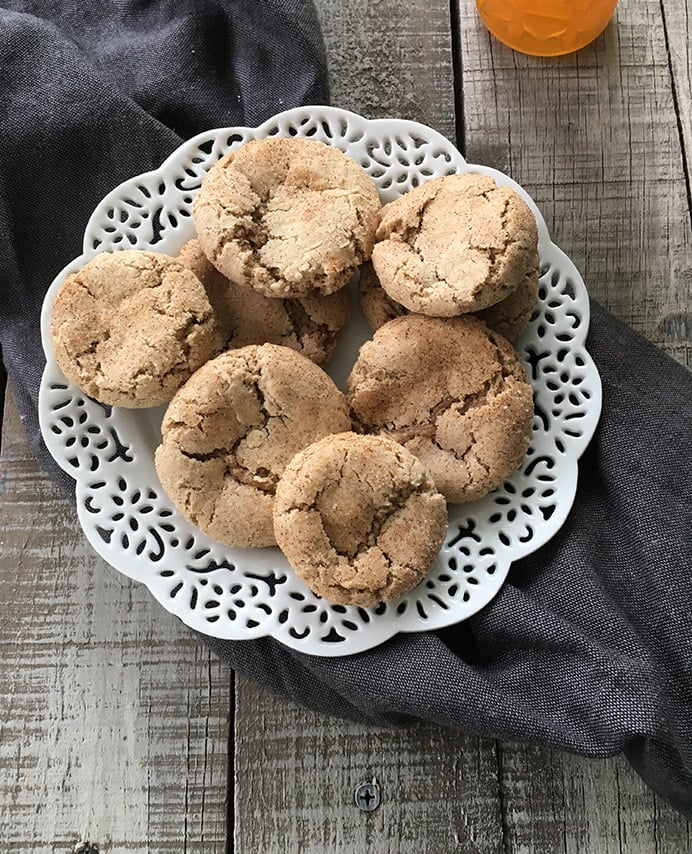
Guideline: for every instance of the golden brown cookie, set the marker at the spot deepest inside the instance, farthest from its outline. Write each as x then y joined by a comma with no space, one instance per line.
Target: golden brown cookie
508,317
454,245
359,518
130,327
232,428
287,217
452,392
310,325
377,306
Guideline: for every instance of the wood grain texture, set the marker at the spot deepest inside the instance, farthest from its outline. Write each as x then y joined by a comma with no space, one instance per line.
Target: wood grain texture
564,804
390,58
297,771
594,139
113,719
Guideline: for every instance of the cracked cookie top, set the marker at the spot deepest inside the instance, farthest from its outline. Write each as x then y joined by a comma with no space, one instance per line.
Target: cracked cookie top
508,317
310,324
230,431
454,245
451,391
130,327
359,518
287,216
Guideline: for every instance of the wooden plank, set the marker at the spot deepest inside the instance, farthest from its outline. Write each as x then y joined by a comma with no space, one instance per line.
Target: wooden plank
113,718
391,59
594,138
297,771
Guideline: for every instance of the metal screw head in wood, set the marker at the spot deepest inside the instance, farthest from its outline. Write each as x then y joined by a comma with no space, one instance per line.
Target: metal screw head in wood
368,796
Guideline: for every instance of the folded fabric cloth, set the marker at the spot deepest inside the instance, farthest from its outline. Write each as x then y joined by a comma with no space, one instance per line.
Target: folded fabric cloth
586,648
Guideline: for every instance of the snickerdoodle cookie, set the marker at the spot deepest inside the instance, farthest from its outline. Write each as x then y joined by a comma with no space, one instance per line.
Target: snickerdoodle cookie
130,327
287,216
508,317
454,245
230,431
377,306
453,393
359,518
310,325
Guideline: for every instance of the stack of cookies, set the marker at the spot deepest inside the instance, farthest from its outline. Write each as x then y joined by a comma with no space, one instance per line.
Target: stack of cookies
259,446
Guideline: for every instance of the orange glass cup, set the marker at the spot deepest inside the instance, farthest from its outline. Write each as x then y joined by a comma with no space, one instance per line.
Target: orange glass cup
546,27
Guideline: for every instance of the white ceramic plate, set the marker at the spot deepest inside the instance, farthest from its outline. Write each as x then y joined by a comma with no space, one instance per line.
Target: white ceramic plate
241,593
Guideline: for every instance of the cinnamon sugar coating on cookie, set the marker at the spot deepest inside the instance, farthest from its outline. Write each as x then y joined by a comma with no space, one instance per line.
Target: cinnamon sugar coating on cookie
232,428
452,392
377,306
130,327
359,518
287,216
454,245
310,324
508,317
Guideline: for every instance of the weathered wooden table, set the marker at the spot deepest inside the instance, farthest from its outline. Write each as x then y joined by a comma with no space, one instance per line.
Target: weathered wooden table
118,727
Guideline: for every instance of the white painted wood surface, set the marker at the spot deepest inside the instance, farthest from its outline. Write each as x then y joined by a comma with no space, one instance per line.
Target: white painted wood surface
113,718
118,727
297,771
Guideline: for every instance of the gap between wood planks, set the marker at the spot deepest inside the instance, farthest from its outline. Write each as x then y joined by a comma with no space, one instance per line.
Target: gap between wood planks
230,769
460,139
457,76
678,114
